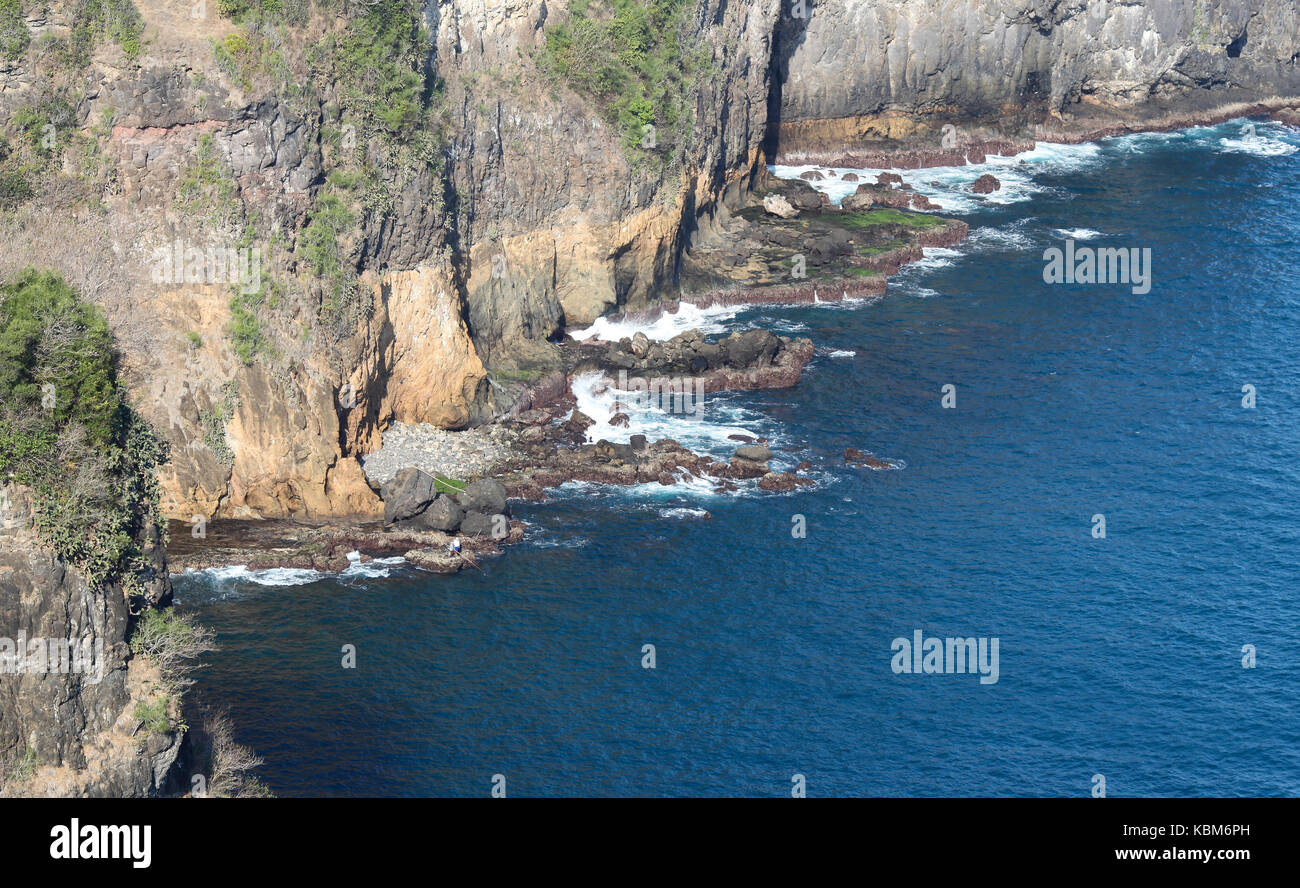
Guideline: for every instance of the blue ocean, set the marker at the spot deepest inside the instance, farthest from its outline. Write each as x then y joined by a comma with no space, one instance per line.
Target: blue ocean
1161,656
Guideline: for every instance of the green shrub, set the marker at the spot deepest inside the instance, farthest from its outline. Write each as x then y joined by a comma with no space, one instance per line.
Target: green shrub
14,36
93,20
245,329
173,642
153,714
67,432
56,352
16,188
214,423
626,56
381,61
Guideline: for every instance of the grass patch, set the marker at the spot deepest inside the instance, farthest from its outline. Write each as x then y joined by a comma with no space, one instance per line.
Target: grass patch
888,216
449,486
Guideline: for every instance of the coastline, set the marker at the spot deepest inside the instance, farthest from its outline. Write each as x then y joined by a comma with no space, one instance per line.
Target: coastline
1085,124
545,432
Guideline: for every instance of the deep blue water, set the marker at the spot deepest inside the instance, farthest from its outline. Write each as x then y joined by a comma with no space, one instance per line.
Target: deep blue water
1120,656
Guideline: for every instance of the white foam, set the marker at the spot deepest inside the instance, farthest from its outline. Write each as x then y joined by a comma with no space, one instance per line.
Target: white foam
687,317
1079,233
1259,146
704,430
275,576
1013,236
295,576
682,512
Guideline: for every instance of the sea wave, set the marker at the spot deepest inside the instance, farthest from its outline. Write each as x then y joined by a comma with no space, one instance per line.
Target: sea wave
711,319
293,576
706,429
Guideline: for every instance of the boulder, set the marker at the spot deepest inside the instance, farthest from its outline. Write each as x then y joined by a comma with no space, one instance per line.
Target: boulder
754,453
807,198
777,205
436,560
850,177
479,524
442,514
747,468
751,348
859,201
622,420
406,495
486,497
888,179
811,176
580,422
986,184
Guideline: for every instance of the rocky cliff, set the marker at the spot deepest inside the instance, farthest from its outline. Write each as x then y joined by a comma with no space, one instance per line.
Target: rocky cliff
71,716
859,75
433,192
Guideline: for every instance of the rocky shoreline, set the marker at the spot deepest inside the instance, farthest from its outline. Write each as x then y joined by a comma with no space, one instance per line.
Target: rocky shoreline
847,252
924,146
542,441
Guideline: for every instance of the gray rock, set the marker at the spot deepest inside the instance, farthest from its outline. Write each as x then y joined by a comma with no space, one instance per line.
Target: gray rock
479,524
444,514
486,497
754,453
406,495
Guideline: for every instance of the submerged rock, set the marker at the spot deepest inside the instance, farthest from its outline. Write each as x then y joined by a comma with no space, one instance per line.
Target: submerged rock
857,457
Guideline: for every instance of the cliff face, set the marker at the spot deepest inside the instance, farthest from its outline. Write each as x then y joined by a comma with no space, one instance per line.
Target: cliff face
532,217
858,72
517,206
73,731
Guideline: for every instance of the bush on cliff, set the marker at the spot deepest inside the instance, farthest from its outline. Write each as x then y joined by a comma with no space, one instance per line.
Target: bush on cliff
67,432
14,36
627,56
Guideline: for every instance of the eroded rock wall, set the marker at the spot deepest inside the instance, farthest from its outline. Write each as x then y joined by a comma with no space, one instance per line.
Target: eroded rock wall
855,72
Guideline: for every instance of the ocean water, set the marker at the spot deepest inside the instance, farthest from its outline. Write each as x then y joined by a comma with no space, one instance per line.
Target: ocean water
1120,656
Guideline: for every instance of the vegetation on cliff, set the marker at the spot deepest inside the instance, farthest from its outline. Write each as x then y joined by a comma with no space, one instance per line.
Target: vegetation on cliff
67,432
628,55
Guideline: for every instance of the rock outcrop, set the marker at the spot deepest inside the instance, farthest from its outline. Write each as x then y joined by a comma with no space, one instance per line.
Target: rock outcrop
69,726
934,82
527,212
